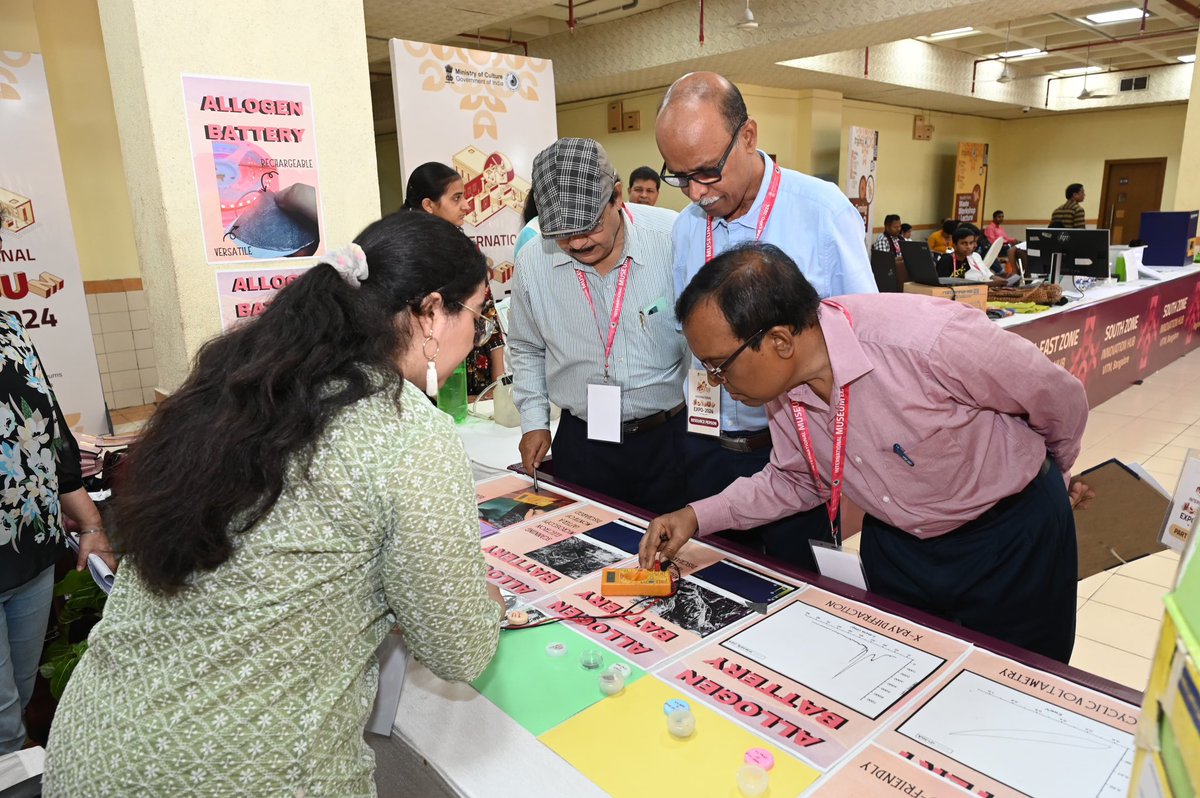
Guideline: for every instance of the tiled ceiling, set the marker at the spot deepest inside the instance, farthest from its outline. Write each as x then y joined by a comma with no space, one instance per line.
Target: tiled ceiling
628,45
1069,41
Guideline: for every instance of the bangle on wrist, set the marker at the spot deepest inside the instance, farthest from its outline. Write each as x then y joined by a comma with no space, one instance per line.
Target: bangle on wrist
90,530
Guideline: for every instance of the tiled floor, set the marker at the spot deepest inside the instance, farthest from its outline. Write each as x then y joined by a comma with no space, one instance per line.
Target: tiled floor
130,419
1119,610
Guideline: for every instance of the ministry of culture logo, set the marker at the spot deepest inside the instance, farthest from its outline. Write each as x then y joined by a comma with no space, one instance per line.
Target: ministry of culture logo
449,73
512,81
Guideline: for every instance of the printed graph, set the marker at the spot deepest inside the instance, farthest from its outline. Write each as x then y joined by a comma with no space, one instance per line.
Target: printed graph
855,666
1022,741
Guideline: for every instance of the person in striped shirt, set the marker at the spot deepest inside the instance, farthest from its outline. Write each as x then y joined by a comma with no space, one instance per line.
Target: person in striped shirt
1070,213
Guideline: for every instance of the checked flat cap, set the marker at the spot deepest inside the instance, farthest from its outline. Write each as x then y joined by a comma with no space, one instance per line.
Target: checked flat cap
572,181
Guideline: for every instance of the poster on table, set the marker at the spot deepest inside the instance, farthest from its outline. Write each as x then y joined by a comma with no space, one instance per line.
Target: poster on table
40,281
713,594
511,499
970,182
245,293
997,727
494,112
548,555
254,151
860,180
856,667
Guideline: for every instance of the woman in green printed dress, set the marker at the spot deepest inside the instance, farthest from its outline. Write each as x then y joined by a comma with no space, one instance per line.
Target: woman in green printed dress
295,499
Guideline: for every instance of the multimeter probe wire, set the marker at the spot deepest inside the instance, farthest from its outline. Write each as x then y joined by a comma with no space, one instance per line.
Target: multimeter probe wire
639,606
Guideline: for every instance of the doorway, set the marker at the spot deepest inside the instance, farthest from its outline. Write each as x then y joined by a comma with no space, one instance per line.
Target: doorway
1130,187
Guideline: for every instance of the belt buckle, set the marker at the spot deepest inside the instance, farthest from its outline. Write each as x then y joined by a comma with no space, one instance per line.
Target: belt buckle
632,428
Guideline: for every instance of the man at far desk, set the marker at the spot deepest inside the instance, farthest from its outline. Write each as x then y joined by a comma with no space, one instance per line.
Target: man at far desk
960,462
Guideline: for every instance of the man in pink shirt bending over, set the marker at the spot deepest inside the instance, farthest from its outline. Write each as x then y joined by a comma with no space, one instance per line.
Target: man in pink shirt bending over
955,436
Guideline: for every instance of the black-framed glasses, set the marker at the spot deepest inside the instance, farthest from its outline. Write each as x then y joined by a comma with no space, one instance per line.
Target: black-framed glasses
706,176
485,328
717,373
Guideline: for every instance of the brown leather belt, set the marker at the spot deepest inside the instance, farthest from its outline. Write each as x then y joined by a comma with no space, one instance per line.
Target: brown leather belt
746,443
642,425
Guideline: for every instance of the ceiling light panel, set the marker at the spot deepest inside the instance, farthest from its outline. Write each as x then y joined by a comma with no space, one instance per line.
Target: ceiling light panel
1119,15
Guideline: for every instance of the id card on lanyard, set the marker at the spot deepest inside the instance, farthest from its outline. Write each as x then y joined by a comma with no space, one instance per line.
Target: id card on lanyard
704,405
840,420
604,400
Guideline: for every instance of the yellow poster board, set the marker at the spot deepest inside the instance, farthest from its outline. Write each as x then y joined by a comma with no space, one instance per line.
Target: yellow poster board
970,182
622,745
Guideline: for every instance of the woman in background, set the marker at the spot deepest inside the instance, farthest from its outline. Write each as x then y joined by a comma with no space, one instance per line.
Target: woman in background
41,477
436,188
295,499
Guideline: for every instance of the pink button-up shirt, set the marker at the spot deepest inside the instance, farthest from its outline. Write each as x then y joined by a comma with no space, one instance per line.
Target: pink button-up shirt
976,409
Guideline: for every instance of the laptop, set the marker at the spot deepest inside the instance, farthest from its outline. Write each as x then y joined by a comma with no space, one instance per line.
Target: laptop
921,269
883,264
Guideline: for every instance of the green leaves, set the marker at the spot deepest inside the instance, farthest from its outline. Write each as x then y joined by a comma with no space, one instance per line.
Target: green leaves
60,662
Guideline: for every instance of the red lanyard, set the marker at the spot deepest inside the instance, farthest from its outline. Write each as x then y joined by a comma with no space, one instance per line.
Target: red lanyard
763,215
618,303
839,445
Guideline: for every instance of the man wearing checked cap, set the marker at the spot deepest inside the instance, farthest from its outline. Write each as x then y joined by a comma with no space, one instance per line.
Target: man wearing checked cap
592,330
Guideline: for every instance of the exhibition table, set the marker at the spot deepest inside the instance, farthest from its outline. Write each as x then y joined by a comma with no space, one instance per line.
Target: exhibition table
1117,335
467,745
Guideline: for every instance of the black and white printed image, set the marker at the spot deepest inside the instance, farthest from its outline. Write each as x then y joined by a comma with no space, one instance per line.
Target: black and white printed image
700,610
574,557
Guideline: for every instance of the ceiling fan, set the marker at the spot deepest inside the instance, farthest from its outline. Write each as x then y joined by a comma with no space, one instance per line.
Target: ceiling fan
1006,72
1088,94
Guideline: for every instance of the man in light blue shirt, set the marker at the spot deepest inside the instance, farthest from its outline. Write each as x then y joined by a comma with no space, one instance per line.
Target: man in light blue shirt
739,195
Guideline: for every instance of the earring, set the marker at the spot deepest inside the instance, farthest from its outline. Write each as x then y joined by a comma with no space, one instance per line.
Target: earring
431,375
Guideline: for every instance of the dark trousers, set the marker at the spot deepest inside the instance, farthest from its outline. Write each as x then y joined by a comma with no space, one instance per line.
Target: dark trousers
1011,574
711,468
645,470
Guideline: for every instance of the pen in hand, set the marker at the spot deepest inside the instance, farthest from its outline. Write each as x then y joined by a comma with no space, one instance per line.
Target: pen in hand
535,481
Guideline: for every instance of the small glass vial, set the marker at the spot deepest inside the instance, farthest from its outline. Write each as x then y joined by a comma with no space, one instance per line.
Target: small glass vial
681,723
611,682
591,660
752,780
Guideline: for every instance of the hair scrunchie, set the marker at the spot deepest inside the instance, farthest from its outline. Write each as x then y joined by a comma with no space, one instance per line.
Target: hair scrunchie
350,262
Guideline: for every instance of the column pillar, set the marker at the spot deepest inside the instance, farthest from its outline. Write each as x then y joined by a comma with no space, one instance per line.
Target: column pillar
1187,192
149,44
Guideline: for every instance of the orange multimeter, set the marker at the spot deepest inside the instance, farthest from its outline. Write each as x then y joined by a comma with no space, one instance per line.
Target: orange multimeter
635,582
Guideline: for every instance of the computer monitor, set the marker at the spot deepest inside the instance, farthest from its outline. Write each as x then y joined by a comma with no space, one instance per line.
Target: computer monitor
1075,252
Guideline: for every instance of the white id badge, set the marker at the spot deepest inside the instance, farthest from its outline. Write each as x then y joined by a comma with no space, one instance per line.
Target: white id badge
604,413
844,565
703,404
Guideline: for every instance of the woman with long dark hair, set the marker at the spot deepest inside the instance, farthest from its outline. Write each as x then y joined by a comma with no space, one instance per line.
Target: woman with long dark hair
436,188
294,500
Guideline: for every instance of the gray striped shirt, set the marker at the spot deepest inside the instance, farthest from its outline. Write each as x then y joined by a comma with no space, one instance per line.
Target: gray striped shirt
554,344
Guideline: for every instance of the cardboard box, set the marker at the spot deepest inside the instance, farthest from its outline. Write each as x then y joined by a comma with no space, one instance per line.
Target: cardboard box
973,295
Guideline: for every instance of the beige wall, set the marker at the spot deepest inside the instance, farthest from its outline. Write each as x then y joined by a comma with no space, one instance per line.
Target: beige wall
916,178
1038,157
67,33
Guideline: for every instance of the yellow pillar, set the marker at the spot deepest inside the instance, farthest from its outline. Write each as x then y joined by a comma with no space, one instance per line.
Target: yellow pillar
149,45
1187,192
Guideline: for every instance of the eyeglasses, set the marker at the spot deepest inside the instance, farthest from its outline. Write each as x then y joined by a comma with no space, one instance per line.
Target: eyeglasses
706,176
717,373
485,328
